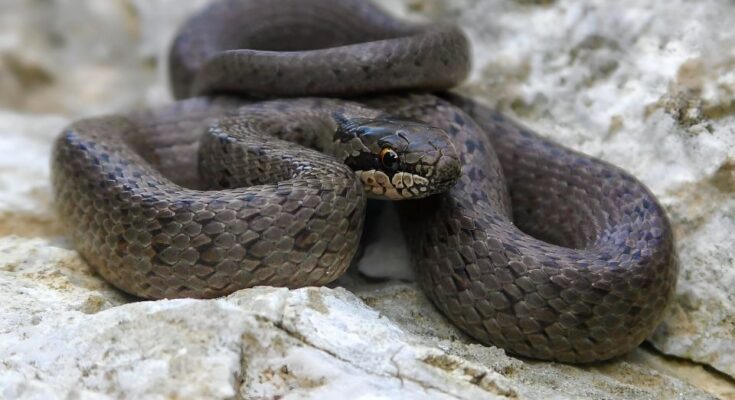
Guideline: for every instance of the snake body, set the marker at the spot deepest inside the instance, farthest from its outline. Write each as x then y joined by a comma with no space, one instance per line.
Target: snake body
538,249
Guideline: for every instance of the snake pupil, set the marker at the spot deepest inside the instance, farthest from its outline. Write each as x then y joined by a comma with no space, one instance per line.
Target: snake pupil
389,159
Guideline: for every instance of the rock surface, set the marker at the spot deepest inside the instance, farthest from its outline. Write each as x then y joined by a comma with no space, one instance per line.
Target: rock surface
649,87
66,334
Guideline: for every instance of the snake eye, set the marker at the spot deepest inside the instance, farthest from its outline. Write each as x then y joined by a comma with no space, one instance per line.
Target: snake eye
389,159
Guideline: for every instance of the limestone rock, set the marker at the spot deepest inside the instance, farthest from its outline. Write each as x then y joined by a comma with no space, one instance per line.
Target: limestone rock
68,334
25,195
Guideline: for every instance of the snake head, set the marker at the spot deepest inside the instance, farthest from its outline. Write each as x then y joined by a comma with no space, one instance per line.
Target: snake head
398,159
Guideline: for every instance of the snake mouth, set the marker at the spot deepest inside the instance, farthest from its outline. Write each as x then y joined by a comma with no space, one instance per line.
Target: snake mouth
401,186
428,180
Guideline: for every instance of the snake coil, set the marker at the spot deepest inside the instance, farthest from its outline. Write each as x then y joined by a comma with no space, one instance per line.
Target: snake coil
540,250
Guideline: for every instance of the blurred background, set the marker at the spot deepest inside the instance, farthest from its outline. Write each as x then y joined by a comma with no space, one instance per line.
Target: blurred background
85,57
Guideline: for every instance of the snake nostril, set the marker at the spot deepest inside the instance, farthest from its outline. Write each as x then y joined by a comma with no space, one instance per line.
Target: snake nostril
448,167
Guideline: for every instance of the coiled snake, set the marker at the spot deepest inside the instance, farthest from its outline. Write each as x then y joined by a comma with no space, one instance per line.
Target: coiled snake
538,249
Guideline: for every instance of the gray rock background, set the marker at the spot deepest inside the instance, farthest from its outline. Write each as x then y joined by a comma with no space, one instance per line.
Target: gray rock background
647,86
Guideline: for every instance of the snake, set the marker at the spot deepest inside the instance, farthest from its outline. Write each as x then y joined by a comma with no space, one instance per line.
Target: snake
290,114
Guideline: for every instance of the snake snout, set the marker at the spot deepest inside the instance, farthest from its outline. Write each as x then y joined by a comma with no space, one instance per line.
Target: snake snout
436,161
449,170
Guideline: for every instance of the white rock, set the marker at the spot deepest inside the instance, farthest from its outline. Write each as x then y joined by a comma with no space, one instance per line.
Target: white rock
332,344
68,334
25,195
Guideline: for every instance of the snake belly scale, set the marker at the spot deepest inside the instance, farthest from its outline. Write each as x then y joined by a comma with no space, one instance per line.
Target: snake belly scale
520,242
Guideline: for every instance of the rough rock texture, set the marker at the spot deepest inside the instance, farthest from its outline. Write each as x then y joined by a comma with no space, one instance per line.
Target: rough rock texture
76,337
66,334
650,87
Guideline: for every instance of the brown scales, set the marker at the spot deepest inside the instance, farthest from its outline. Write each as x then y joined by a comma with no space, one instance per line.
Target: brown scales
540,250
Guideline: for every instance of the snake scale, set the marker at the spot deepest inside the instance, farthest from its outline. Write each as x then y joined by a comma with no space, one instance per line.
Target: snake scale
520,242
